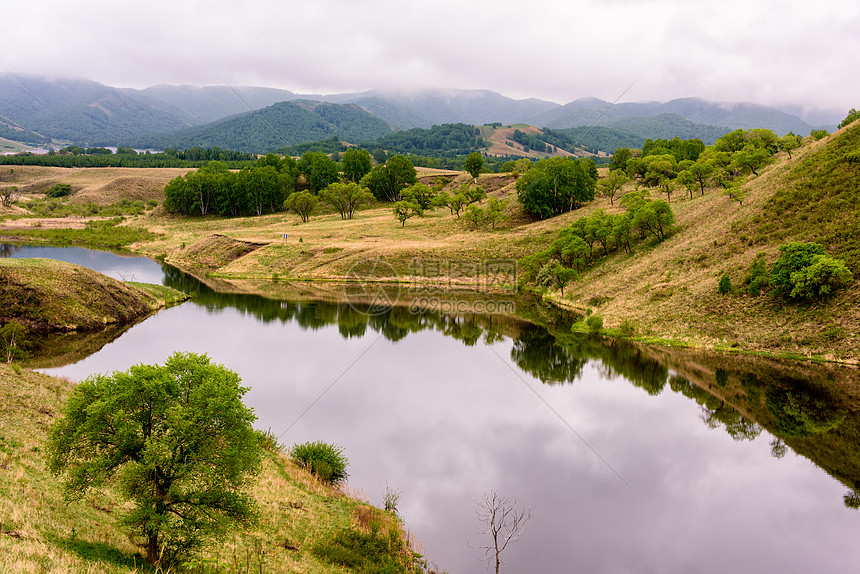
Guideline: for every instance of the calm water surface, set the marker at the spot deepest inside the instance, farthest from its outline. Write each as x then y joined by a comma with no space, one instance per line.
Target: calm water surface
644,472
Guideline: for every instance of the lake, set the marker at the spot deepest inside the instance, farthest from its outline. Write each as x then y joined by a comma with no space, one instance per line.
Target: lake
631,459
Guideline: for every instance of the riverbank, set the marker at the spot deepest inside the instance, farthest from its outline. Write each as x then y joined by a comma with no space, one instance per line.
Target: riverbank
49,296
660,291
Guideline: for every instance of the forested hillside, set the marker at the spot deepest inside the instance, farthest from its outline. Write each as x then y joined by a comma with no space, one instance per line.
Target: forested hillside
284,123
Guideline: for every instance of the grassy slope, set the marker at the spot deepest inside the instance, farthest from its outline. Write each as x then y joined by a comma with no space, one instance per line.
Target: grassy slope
670,290
40,532
50,295
99,185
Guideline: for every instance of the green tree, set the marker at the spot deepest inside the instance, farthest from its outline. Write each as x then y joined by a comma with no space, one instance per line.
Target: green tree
612,184
420,195
302,203
387,181
356,163
561,276
620,158
346,197
654,217
555,185
403,210
474,164
806,271
402,172
474,216
495,212
319,170
696,175
789,142
176,440
853,115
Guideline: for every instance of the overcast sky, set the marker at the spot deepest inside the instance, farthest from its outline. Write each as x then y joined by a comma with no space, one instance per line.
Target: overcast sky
788,52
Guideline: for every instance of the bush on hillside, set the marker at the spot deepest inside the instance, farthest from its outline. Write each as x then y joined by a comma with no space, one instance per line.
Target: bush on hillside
806,271
59,190
323,460
850,118
757,277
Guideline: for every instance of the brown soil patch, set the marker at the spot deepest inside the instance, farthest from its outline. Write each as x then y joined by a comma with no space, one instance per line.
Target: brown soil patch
218,250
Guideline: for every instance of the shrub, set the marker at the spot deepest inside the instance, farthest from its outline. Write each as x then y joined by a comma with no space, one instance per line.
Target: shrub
757,277
804,270
59,190
594,323
725,284
818,134
628,328
821,278
324,460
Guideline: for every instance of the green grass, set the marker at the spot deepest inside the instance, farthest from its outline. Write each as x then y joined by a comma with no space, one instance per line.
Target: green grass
48,295
106,234
819,201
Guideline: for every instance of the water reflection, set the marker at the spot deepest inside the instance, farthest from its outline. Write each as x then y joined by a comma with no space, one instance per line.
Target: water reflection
705,438
742,396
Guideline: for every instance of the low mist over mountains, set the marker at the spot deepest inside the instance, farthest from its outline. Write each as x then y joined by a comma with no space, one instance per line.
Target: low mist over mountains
84,112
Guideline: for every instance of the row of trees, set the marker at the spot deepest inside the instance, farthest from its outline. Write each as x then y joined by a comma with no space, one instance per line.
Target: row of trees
667,165
215,189
591,237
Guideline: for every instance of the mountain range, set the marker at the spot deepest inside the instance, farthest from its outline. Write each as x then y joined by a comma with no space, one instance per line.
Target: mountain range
85,112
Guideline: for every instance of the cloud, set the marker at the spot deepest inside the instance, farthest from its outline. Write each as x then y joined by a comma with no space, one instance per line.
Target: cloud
767,52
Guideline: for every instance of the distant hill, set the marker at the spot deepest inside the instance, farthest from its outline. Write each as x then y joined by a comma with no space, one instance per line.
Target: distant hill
273,127
585,111
201,105
88,113
78,110
426,108
669,126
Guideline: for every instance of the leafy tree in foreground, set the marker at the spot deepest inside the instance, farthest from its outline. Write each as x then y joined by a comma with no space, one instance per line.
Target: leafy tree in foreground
176,440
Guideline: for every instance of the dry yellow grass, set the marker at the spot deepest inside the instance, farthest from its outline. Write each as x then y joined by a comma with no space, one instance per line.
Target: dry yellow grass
98,185
42,532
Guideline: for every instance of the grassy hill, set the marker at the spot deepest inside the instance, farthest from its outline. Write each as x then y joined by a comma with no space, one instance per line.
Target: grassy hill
302,525
48,295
